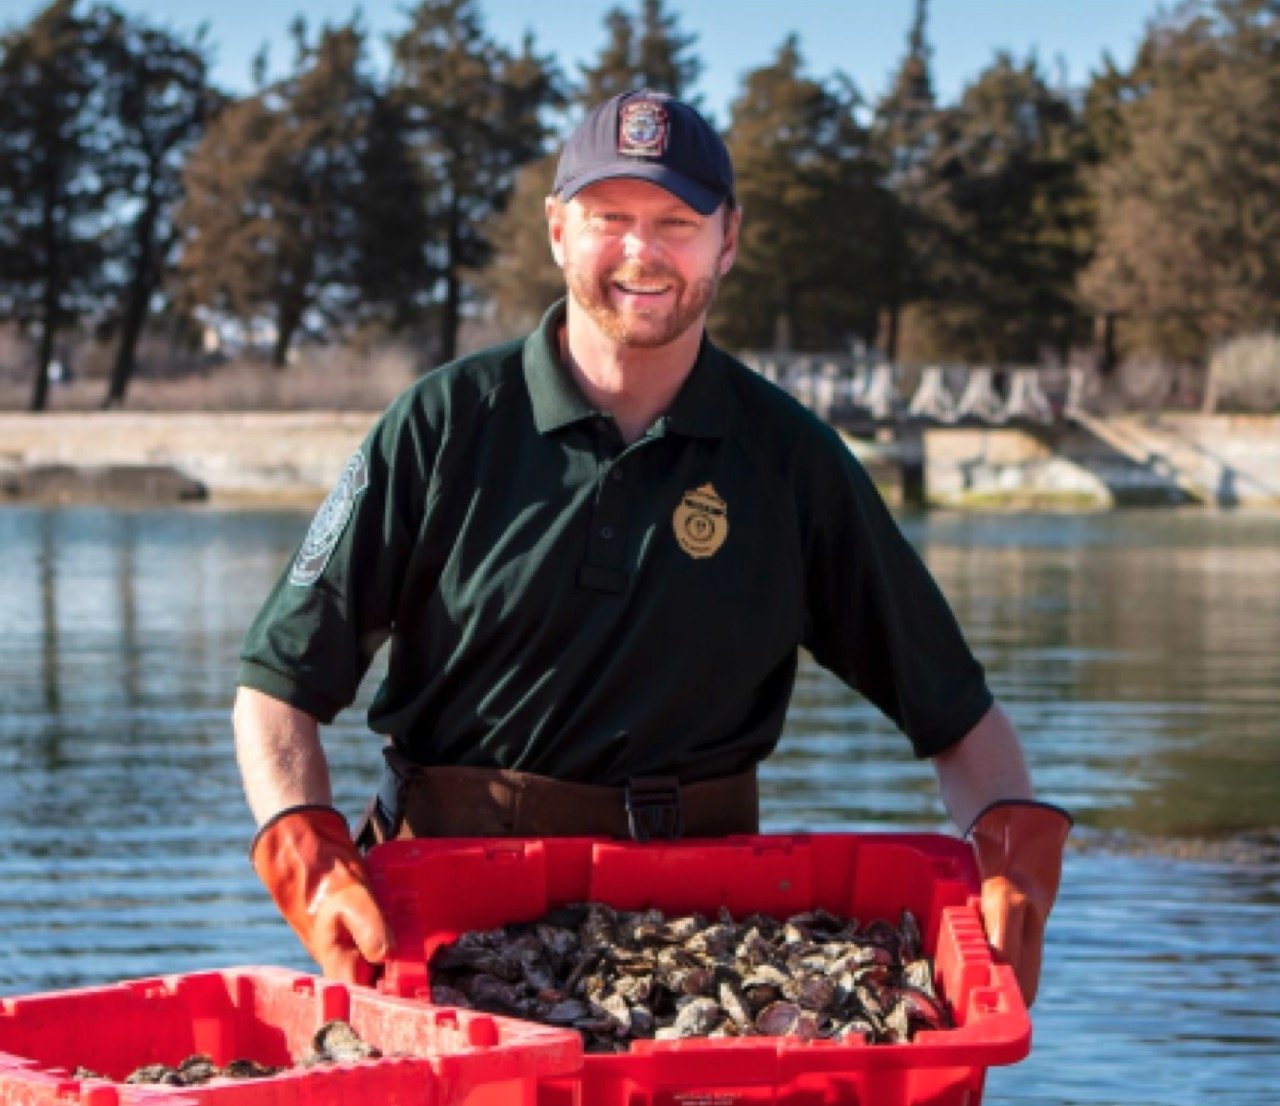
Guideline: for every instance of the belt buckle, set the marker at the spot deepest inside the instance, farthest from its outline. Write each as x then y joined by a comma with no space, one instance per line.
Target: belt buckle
653,808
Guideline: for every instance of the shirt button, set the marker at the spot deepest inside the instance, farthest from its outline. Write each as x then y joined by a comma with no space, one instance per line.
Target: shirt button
606,532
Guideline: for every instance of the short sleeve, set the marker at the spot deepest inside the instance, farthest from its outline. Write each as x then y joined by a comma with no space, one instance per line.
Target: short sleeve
874,614
334,604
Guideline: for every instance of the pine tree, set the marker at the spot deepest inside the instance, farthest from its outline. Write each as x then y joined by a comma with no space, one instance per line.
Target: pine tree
282,217
475,113
1189,198
664,57
645,50
160,102
614,71
52,187
522,279
1003,207
901,131
813,244
902,137
390,223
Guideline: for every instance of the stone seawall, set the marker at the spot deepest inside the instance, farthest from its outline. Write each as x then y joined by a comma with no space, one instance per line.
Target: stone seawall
1226,460
289,457
294,458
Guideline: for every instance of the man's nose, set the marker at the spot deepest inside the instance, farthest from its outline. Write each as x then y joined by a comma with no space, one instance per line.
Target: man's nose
641,242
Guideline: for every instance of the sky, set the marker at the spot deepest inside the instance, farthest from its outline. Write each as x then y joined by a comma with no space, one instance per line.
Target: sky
864,38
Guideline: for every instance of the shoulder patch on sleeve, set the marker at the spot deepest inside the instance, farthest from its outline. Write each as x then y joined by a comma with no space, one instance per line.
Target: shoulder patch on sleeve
326,528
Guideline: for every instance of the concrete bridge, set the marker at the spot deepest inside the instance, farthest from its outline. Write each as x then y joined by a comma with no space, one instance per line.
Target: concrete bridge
957,435
864,395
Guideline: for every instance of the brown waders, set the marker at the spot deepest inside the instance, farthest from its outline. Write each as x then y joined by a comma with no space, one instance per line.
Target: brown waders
414,801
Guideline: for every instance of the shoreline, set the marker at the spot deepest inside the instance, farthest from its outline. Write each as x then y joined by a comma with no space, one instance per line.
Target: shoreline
291,459
138,458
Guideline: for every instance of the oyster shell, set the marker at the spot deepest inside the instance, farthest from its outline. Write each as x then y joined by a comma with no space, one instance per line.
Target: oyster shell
619,975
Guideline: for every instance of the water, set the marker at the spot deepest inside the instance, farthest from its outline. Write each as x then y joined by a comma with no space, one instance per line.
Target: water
1139,654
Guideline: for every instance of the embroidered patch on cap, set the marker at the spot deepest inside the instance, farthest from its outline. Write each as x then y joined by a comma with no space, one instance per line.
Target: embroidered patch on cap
642,129
330,521
701,522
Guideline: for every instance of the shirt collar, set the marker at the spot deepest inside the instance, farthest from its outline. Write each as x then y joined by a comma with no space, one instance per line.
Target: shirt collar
557,402
700,409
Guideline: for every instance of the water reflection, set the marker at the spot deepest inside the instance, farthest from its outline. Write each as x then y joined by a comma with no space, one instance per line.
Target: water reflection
1138,653
1149,649
49,613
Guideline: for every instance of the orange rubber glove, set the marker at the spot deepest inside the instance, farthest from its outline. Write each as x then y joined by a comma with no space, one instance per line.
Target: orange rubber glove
1019,846
309,863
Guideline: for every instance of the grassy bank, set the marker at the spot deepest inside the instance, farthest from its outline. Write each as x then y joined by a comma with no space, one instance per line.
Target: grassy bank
316,380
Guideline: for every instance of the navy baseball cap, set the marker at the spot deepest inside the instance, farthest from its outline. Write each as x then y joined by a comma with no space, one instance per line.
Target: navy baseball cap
651,136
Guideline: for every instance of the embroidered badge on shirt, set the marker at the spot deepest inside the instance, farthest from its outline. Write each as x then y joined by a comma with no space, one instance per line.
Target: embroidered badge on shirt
330,521
642,129
701,522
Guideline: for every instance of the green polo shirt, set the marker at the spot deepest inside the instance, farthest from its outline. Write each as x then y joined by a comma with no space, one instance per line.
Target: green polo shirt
559,602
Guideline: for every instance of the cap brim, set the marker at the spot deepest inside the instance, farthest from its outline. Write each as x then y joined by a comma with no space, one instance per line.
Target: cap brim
703,200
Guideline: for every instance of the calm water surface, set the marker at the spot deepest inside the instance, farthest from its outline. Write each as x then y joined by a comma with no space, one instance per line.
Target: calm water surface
1139,654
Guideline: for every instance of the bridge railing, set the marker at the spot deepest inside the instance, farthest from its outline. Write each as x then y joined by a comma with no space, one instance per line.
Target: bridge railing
854,390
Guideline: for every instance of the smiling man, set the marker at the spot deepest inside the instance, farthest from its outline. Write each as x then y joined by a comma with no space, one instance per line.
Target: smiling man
596,554
643,222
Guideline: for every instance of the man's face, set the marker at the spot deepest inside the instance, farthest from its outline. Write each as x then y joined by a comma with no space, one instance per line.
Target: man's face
641,264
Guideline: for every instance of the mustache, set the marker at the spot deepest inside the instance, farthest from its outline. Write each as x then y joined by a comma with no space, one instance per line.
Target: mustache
632,273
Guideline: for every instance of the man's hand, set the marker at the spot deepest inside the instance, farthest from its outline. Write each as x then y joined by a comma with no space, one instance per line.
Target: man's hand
312,868
304,852
1018,844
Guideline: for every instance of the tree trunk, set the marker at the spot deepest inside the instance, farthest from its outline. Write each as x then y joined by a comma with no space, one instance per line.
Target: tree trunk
782,332
888,325
136,305
51,300
287,319
453,290
1209,402
792,308
44,355
1104,331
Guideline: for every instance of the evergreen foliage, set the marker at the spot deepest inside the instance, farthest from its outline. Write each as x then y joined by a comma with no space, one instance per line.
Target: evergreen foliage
1022,222
475,114
1188,189
903,136
817,225
54,195
286,200
645,50
1001,208
160,101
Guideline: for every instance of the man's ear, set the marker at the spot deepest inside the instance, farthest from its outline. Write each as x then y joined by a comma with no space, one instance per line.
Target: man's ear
556,214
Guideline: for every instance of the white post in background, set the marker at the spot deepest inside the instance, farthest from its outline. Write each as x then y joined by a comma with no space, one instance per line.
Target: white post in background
932,399
881,395
980,399
1027,399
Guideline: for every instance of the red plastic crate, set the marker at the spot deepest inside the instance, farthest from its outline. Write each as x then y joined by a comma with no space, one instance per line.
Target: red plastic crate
433,891
446,1057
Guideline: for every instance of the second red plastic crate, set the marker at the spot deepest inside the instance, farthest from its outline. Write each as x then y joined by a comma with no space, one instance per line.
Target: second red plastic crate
432,1056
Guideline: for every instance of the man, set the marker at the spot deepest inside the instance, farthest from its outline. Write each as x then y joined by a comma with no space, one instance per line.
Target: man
596,554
